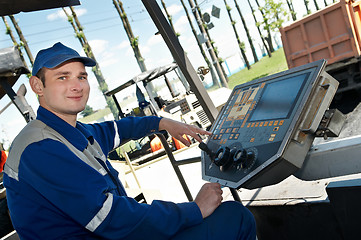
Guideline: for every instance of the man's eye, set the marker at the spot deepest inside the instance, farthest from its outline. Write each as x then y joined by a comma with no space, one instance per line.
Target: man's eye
82,78
62,78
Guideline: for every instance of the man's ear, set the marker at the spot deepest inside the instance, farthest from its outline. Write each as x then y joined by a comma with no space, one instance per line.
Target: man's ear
36,85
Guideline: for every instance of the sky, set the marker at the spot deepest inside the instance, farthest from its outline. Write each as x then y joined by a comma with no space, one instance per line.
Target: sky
108,40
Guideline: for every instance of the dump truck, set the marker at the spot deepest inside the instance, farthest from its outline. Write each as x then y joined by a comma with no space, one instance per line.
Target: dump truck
333,34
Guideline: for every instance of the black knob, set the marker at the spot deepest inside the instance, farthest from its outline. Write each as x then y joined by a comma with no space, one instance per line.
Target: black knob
222,156
251,155
240,158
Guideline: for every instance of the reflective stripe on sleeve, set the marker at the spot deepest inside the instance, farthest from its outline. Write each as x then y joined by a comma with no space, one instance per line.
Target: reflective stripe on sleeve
116,137
102,214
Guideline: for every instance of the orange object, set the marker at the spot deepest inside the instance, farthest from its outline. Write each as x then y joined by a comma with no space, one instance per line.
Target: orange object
156,144
332,33
3,158
179,145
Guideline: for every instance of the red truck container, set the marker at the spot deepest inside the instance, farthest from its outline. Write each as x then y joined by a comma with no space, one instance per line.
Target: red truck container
332,33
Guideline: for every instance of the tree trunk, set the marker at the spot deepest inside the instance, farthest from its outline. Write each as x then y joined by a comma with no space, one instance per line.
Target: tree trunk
209,46
210,66
133,40
307,8
78,29
316,5
269,37
292,10
240,44
9,31
259,31
255,57
22,39
169,17
210,40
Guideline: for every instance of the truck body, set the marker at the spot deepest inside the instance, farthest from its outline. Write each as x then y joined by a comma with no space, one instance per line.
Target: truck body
332,33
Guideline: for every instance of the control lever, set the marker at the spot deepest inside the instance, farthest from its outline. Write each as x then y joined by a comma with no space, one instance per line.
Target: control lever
206,149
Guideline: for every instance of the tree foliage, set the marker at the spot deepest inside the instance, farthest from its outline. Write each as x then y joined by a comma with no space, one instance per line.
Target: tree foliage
88,110
274,15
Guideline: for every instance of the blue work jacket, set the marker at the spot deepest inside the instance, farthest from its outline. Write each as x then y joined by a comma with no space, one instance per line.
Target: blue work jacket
61,186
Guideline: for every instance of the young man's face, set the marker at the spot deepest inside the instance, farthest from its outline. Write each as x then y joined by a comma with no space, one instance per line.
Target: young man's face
66,89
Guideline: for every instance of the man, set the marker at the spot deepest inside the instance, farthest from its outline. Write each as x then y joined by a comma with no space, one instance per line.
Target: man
61,186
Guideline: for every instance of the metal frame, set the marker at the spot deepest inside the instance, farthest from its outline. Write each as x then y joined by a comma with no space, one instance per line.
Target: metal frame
189,73
181,58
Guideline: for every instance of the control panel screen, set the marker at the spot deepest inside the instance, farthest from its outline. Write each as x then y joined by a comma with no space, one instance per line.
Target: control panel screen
278,98
252,134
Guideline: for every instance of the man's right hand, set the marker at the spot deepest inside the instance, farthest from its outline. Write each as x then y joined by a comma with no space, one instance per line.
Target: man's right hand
209,198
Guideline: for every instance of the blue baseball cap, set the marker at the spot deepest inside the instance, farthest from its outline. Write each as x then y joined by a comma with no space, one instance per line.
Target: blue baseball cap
56,55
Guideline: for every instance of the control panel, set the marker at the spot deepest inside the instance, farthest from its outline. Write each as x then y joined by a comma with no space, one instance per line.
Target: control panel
267,126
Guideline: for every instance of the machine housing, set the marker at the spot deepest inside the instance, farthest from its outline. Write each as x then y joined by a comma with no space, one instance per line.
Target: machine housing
266,128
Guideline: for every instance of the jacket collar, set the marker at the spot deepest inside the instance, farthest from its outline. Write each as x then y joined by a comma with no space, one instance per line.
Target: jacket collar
78,136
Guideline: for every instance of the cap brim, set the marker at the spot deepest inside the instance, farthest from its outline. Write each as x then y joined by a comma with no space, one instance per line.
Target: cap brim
59,59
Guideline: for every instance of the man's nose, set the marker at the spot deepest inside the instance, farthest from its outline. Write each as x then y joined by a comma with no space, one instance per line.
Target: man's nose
76,84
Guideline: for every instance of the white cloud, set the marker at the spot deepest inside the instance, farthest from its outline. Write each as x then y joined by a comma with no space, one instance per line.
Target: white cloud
96,98
181,23
174,9
129,52
61,15
123,45
104,54
144,49
98,45
154,40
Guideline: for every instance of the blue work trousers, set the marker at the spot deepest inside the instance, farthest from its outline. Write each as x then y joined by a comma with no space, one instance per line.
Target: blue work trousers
230,221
